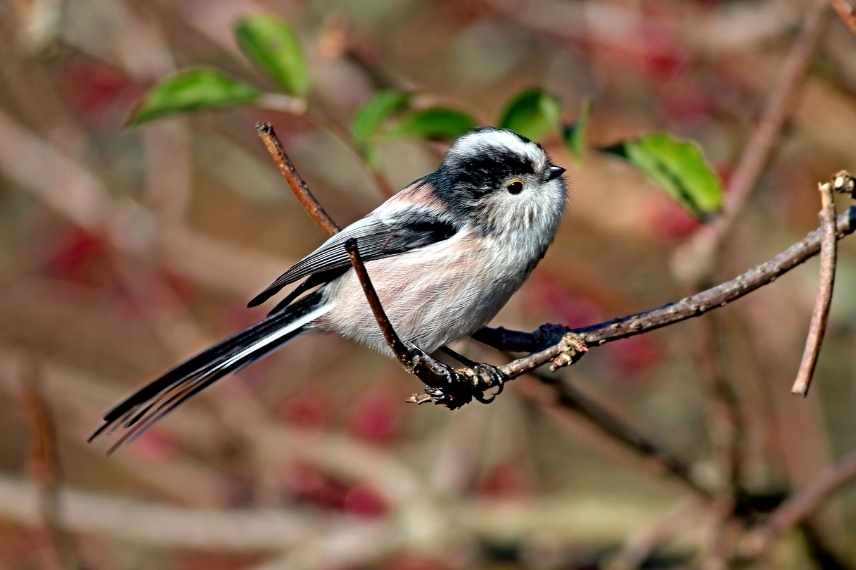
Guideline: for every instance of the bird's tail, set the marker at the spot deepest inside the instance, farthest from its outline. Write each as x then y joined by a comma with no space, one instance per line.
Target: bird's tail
150,403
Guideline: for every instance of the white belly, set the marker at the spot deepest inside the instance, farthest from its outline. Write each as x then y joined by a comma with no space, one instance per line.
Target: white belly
432,296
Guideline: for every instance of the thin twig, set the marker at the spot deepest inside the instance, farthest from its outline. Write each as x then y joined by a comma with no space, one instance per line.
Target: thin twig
564,346
616,429
545,340
45,465
295,181
820,314
450,387
640,546
802,504
721,407
151,523
392,339
697,262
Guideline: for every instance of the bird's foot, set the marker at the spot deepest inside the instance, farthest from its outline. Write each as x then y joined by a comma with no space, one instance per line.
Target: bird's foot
485,377
453,387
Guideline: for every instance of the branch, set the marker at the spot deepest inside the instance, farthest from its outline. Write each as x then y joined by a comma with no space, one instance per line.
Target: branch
435,374
296,182
608,424
802,505
828,254
546,339
444,385
555,344
402,352
161,525
45,465
562,346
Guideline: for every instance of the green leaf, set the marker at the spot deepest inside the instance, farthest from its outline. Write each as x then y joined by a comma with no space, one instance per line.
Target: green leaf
273,46
532,113
437,123
678,166
373,114
190,90
576,134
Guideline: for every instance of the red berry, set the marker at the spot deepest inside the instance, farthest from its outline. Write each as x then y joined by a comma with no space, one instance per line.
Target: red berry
504,480
376,418
309,484
306,411
74,257
363,500
663,56
91,88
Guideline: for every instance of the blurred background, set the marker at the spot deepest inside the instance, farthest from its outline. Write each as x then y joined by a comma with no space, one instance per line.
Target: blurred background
123,250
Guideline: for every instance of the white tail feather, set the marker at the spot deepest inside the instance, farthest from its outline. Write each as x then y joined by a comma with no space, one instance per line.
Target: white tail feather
277,334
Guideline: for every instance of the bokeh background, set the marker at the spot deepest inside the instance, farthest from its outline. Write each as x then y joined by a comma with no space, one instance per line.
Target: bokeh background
125,249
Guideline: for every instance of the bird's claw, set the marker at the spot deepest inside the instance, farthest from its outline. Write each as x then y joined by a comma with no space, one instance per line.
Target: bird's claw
485,377
462,386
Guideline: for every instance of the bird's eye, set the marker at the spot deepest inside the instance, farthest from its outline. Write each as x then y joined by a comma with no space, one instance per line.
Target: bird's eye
514,187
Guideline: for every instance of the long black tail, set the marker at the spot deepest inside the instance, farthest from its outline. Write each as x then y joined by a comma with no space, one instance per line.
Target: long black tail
152,402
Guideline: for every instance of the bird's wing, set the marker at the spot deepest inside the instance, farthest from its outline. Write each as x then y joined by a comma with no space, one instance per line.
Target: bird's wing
385,232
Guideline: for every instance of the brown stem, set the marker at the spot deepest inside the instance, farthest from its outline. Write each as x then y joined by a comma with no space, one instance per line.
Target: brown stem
545,340
698,262
721,407
45,465
562,346
447,386
296,182
820,314
802,504
392,339
617,429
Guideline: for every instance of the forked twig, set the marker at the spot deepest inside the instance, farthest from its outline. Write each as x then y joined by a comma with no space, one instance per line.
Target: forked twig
555,344
562,346
451,387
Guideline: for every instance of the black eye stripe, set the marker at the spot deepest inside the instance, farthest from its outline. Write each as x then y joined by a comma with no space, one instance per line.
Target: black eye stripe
489,169
473,173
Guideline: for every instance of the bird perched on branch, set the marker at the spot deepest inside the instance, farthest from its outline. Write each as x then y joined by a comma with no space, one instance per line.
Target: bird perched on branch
445,254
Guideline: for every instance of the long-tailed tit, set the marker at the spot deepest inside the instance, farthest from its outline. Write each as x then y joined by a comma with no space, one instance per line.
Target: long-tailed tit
445,254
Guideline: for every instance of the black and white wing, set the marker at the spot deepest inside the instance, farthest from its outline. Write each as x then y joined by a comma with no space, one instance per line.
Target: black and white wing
383,233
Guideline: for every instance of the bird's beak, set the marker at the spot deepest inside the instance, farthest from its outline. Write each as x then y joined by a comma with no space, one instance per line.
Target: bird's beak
554,172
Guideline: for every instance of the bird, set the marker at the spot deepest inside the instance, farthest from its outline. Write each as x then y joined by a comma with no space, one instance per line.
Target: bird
445,254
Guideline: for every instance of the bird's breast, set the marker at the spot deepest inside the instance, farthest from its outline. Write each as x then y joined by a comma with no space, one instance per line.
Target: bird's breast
432,296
